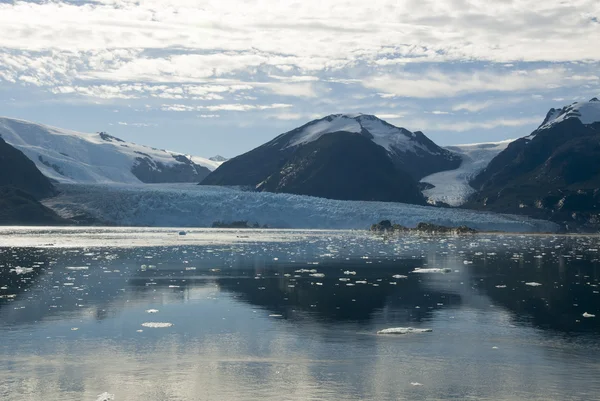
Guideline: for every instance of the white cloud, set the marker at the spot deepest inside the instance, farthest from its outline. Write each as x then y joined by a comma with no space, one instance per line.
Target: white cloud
462,126
136,124
225,107
435,83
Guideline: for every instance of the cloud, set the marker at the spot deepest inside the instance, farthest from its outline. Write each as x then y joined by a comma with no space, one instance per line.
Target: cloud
137,124
225,107
462,126
434,83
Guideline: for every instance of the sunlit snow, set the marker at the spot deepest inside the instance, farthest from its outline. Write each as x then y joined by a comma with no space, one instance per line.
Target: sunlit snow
75,157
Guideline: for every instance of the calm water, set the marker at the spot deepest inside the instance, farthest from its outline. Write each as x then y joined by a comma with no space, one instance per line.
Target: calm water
263,315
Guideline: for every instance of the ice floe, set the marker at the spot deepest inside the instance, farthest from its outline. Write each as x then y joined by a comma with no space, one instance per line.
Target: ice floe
585,314
533,284
157,325
403,330
431,270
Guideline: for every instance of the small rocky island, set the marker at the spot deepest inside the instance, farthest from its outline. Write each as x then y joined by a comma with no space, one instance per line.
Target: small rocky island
386,226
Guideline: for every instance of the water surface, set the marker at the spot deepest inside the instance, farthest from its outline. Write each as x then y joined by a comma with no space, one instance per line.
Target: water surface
293,315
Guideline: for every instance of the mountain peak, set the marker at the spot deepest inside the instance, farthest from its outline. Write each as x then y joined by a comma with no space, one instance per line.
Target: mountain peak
586,112
392,138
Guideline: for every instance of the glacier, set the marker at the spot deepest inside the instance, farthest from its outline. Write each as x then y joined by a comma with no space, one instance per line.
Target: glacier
188,205
452,186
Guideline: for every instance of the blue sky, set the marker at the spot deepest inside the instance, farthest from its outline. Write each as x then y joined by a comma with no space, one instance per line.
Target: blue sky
224,76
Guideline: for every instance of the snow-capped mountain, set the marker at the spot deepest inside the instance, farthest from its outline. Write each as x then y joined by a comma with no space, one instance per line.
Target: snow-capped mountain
74,157
552,173
218,158
586,112
452,186
341,156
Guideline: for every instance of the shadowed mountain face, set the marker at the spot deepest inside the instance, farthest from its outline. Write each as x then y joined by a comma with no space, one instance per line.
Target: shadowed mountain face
21,185
554,173
21,173
340,157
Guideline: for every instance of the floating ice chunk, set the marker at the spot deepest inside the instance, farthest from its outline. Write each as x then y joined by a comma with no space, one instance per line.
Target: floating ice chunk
344,279
152,311
74,328
585,314
157,325
533,284
403,330
415,384
350,273
275,315
105,397
399,276
494,347
77,268
22,270
431,270
317,275
139,331
501,286
361,281
306,271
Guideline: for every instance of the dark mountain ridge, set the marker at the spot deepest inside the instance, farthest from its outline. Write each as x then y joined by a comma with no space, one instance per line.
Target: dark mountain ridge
348,157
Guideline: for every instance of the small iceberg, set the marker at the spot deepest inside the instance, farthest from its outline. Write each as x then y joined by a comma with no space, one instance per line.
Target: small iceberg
415,384
403,330
22,270
157,325
152,311
501,286
533,284
399,276
105,397
585,314
77,268
431,270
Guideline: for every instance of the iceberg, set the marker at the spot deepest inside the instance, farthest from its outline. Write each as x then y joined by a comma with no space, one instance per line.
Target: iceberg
403,330
431,270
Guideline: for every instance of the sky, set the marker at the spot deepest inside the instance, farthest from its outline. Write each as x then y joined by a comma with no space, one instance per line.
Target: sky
225,76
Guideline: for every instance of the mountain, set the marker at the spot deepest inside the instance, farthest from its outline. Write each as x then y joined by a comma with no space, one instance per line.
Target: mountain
341,156
451,187
21,186
553,173
218,158
74,157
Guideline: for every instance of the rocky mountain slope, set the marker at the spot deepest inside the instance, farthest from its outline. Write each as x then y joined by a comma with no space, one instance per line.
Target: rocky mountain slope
21,187
341,156
74,157
553,173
